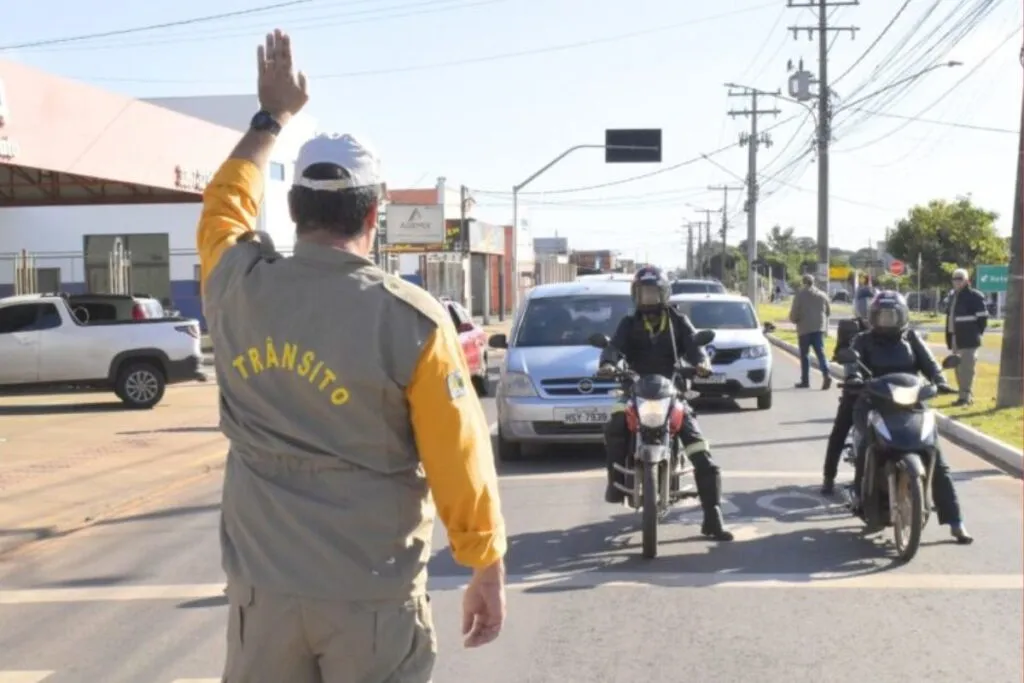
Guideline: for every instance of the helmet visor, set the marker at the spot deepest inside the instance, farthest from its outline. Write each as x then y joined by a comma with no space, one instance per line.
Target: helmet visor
648,295
888,318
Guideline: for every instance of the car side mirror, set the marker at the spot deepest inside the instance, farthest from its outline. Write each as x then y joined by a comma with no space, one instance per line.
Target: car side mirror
704,337
498,341
847,356
768,327
466,327
950,362
598,340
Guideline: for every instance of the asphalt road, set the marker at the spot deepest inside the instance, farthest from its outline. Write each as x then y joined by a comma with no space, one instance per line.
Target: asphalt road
800,596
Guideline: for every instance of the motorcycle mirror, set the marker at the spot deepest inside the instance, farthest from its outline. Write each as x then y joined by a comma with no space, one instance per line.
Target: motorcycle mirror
599,340
847,356
950,362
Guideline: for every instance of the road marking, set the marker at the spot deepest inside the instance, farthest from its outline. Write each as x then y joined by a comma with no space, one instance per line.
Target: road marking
601,474
188,680
891,580
24,676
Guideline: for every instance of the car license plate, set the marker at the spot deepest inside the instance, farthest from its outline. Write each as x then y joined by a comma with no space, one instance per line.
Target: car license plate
582,416
713,379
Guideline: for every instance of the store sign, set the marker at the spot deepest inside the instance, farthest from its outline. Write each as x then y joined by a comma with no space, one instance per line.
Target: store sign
485,238
191,179
409,224
5,111
8,148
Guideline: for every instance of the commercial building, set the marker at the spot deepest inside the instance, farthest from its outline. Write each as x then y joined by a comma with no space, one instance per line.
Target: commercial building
85,172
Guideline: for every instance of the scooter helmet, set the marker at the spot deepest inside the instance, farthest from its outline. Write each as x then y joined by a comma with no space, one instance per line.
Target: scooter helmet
650,289
889,314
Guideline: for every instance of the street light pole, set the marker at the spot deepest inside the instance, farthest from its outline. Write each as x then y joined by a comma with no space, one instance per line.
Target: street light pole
515,204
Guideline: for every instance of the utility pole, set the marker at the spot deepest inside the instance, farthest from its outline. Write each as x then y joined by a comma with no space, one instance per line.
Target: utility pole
725,189
753,141
689,249
1010,390
823,30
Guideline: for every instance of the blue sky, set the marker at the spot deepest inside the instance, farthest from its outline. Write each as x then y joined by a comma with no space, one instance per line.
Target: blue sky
484,92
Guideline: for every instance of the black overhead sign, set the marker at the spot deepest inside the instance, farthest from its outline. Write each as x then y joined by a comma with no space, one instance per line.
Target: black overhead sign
632,146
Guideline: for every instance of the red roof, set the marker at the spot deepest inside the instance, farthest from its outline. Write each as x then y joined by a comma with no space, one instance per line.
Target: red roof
414,196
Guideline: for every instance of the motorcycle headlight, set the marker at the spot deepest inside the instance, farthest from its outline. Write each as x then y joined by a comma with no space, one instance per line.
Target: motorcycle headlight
904,396
652,412
518,385
755,352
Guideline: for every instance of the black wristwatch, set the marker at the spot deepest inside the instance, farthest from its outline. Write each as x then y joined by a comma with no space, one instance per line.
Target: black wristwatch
265,123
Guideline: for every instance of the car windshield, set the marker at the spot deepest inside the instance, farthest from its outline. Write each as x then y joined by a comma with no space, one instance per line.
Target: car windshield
719,315
683,287
570,320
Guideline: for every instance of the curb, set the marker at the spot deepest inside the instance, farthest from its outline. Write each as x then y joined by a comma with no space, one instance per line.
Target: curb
1000,454
195,471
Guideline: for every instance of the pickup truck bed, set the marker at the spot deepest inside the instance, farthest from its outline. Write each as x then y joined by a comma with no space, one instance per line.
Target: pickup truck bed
44,347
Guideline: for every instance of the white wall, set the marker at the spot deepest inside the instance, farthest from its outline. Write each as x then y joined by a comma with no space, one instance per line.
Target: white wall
60,230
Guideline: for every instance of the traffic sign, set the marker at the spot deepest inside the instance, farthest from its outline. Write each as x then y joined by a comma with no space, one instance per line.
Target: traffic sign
897,267
993,278
632,146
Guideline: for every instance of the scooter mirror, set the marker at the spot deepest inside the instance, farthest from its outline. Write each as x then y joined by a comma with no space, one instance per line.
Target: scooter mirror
599,340
847,356
704,337
950,362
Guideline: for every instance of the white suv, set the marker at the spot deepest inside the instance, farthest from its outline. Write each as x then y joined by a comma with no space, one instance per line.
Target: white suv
740,355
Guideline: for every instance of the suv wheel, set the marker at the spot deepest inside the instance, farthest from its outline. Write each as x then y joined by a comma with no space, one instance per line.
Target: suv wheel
140,385
764,401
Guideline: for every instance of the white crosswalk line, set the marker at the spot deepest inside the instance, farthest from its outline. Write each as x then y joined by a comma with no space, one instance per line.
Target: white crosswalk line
24,676
196,680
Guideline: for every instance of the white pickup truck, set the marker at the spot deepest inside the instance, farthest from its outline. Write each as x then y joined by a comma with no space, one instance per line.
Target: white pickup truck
45,345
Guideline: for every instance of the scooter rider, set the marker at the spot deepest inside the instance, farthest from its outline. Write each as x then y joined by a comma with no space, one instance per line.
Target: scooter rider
890,347
650,340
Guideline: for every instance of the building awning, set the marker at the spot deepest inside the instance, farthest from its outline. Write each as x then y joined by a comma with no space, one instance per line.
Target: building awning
63,142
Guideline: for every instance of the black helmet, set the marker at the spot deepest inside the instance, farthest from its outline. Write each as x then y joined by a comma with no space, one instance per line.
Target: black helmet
651,289
888,313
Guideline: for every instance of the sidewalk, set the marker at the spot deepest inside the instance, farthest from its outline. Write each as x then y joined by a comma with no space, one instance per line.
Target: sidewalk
68,461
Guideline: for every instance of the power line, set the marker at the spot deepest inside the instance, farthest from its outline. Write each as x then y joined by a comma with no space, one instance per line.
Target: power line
297,25
874,43
153,27
643,176
937,100
936,122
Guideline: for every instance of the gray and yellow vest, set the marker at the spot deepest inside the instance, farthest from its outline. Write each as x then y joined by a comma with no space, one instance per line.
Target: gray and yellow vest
324,494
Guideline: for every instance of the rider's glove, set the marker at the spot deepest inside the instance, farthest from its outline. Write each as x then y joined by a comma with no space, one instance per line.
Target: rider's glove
703,369
606,370
943,387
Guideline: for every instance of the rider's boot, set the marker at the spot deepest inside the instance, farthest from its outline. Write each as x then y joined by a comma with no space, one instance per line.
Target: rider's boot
709,490
959,532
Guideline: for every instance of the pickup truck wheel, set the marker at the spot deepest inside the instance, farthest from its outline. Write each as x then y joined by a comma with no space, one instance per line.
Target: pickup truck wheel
140,385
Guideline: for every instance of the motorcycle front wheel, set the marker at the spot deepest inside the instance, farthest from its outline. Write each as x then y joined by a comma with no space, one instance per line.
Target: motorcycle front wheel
908,516
649,512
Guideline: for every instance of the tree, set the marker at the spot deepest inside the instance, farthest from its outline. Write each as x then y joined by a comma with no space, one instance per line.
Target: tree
781,241
1010,390
947,235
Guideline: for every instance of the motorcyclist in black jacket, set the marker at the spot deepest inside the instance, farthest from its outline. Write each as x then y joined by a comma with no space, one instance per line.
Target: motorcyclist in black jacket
651,340
890,347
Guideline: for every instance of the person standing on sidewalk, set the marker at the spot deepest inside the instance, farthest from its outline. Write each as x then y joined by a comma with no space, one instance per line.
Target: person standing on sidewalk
966,319
345,397
810,311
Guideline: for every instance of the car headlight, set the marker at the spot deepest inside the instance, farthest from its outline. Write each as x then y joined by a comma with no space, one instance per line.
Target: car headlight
652,412
518,385
755,352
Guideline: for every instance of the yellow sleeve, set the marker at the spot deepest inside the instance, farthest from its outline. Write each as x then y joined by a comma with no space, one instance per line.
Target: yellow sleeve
230,206
454,443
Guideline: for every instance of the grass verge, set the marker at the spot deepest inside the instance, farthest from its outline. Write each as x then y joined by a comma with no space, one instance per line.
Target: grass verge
1006,424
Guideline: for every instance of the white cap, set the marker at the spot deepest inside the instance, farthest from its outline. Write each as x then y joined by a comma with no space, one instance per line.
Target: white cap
358,159
960,274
